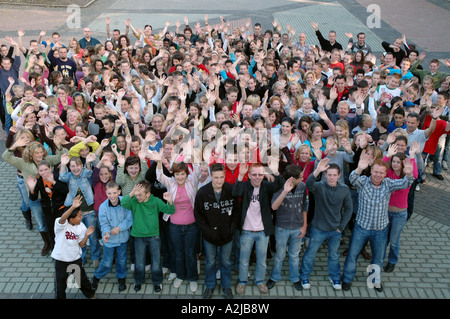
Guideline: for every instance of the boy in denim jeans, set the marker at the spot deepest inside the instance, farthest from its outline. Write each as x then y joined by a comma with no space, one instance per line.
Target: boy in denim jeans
115,223
146,209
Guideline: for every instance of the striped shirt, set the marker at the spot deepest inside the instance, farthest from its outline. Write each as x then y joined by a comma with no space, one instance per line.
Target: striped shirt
373,202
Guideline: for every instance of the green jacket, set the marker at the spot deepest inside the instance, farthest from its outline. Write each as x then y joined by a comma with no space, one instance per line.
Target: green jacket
146,215
437,77
30,168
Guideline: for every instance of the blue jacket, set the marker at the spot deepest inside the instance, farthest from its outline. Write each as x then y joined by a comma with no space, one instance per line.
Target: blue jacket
112,216
82,182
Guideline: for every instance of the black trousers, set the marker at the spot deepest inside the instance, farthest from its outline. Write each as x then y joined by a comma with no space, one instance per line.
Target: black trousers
62,271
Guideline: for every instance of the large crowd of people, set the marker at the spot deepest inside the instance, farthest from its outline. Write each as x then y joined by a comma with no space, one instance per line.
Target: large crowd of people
238,144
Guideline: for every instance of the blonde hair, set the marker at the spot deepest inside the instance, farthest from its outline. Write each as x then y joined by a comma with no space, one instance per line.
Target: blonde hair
52,100
300,149
29,151
344,125
19,134
254,100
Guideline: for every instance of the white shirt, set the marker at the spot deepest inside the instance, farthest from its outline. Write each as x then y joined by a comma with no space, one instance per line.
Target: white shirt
253,219
67,241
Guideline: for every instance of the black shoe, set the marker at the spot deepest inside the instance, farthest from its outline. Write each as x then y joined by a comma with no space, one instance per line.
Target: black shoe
157,288
227,294
137,288
346,286
122,285
379,289
208,293
298,286
439,177
389,267
94,282
270,284
27,216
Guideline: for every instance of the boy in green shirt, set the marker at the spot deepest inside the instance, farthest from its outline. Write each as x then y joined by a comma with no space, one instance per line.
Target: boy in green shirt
146,209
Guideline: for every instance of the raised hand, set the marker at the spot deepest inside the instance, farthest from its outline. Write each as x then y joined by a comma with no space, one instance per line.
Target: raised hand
392,150
323,165
364,161
65,159
90,158
31,182
168,198
289,185
408,167
77,201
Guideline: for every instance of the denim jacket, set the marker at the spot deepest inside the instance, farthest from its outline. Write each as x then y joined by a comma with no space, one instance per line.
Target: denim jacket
82,182
112,216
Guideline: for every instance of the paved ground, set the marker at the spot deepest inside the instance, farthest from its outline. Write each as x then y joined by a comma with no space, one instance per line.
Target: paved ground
423,270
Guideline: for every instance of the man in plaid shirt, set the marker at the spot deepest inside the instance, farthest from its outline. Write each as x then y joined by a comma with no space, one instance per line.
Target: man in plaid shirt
372,216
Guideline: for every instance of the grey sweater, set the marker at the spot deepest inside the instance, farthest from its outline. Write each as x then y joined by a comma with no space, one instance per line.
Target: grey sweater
334,206
340,158
290,213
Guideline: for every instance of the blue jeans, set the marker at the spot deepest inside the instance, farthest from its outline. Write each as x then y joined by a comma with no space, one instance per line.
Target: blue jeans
397,221
108,258
236,249
360,236
260,240
8,120
38,213
90,219
287,238
185,241
446,149
23,194
167,250
316,240
153,244
223,254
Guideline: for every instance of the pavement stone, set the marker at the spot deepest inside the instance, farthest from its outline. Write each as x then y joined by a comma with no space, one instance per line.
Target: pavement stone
423,270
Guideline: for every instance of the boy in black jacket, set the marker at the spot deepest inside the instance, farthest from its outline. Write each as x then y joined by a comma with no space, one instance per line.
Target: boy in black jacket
217,215
256,223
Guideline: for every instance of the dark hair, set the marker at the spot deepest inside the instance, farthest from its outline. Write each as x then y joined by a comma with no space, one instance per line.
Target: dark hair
401,138
383,119
216,167
334,166
400,111
147,187
292,170
180,167
73,214
132,160
417,116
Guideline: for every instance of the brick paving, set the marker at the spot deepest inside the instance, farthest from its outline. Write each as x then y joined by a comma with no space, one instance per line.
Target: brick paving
423,269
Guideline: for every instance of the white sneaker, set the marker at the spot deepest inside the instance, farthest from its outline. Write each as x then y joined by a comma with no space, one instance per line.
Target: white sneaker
172,276
336,284
218,275
417,188
193,286
177,283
